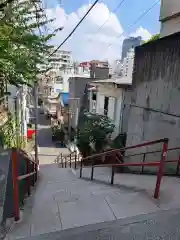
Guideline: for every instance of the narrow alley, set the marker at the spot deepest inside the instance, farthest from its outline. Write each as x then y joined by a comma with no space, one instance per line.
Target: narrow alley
89,120
62,201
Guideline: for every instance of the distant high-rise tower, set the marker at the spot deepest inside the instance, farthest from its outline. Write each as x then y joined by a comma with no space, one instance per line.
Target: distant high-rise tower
129,43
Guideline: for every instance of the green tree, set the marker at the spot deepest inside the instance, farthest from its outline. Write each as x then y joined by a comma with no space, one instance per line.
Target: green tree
153,37
24,41
94,132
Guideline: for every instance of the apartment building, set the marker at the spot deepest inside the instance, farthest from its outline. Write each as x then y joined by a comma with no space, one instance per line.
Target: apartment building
129,43
128,64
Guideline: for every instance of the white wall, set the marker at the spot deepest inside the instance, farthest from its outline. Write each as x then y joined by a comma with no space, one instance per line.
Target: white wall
23,118
21,94
169,8
128,64
118,113
66,82
114,107
111,108
100,103
169,27
58,87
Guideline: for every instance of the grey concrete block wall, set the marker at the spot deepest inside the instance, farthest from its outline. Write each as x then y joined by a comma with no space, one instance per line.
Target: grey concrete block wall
156,85
77,87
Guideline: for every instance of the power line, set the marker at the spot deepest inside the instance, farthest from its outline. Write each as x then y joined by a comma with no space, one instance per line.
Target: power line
114,11
75,27
137,20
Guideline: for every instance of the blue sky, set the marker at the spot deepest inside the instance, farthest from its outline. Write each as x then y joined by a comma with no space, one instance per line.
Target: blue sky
129,11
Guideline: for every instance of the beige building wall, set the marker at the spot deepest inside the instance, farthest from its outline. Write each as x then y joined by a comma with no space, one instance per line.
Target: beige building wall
169,17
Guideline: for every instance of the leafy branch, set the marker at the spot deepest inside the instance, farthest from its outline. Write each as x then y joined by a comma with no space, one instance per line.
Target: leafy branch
22,48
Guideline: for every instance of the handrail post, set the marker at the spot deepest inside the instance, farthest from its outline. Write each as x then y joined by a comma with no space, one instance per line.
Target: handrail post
81,168
178,166
36,170
161,169
28,178
75,160
92,173
112,175
144,157
33,176
70,161
62,164
65,162
14,161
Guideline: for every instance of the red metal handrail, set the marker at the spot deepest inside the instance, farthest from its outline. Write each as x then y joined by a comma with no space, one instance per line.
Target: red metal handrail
16,178
126,148
154,164
159,164
151,152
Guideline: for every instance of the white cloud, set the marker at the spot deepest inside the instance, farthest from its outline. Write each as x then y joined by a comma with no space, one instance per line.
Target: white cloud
85,43
142,32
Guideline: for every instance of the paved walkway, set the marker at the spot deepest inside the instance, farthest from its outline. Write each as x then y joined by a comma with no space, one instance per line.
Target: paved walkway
47,149
62,201
160,225
144,184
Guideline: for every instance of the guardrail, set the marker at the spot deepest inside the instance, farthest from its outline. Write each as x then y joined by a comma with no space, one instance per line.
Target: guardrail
158,151
31,174
64,161
159,164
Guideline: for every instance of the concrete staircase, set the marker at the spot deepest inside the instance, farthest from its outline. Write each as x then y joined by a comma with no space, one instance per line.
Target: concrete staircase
66,207
71,160
160,225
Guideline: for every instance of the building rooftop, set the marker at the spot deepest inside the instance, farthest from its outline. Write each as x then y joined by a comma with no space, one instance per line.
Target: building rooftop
119,80
81,75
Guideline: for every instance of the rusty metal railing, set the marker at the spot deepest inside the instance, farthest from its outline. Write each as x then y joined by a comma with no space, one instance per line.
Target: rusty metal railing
64,161
30,176
159,164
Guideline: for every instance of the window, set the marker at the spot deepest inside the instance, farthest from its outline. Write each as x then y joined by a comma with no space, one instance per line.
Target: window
93,96
106,103
59,80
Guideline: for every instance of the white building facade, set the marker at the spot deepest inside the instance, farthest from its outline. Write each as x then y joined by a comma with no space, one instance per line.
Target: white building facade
117,68
61,68
128,64
109,101
61,60
20,107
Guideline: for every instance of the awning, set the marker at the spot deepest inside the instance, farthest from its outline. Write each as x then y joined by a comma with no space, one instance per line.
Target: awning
65,97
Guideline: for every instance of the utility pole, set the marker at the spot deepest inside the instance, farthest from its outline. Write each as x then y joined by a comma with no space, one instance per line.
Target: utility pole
16,121
75,106
36,121
69,123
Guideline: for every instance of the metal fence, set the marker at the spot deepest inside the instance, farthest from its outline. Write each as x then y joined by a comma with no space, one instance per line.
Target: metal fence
155,164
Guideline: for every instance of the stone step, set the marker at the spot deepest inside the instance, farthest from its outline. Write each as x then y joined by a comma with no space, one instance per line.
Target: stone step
146,226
